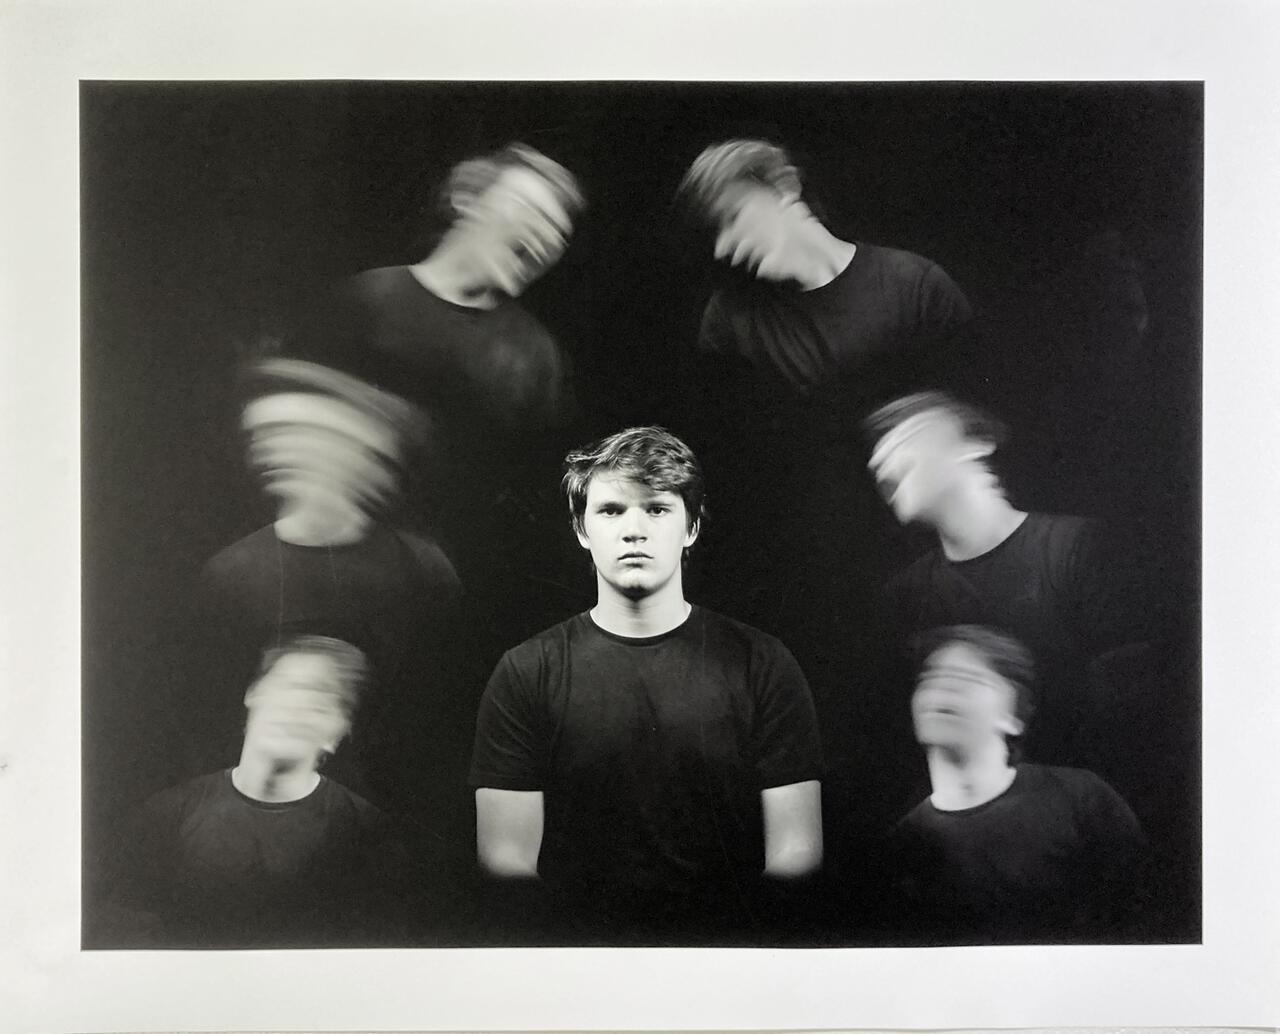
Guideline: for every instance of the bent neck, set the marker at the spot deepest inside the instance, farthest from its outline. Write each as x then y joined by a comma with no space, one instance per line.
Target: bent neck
265,779
451,273
310,524
818,255
976,519
966,779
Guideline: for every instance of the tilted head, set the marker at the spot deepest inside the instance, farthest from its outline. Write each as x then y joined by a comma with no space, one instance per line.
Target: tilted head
749,192
512,212
637,501
924,446
975,684
305,698
320,436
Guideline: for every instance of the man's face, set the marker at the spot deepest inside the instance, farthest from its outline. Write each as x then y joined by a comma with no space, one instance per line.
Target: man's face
294,709
959,702
636,534
517,229
313,448
754,227
918,462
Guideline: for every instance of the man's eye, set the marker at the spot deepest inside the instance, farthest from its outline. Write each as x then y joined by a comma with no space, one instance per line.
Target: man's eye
659,509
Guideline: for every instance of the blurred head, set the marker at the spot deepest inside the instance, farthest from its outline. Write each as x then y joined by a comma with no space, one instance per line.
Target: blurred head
512,212
927,446
323,438
637,503
305,698
749,193
975,684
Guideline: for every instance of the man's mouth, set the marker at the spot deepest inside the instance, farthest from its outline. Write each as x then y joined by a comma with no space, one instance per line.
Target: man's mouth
635,556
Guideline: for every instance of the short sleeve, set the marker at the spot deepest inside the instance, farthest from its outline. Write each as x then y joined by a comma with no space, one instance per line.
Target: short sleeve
787,745
510,745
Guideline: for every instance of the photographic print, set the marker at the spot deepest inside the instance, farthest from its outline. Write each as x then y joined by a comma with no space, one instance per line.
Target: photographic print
640,514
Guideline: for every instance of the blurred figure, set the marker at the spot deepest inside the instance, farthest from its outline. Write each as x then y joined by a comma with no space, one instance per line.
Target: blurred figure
654,764
328,449
269,853
1003,850
448,333
1042,578
816,308
807,331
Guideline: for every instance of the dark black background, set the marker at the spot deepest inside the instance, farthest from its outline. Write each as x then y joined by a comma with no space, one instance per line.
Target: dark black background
211,212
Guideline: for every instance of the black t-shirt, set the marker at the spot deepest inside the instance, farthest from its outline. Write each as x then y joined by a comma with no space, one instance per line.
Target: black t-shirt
220,869
1056,858
385,326
498,389
393,594
1048,584
886,302
651,755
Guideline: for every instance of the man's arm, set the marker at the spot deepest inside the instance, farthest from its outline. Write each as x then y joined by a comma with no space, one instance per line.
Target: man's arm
792,829
509,832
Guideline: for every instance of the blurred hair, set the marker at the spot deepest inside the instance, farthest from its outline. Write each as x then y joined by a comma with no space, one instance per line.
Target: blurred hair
471,178
652,456
718,166
1002,653
350,664
976,424
276,376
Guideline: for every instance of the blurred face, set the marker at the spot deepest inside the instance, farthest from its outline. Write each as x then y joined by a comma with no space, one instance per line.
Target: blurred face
960,703
294,709
918,462
755,224
636,535
309,448
517,230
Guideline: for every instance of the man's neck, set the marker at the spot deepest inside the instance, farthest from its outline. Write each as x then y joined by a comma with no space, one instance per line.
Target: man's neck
819,256
640,618
975,521
264,779
966,780
301,524
449,274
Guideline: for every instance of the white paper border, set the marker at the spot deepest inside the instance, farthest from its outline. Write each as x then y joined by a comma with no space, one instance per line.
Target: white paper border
46,984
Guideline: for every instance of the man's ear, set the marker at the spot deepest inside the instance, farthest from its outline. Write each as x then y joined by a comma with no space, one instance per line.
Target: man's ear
691,536
583,541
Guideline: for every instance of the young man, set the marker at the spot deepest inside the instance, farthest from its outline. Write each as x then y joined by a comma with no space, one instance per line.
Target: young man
269,853
450,333
1041,578
1003,850
328,449
652,762
814,308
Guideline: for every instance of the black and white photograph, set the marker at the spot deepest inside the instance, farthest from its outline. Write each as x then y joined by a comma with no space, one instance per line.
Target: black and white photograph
640,514
584,518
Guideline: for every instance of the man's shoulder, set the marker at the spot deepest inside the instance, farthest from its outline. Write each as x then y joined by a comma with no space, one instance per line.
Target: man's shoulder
896,260
551,642
179,799
1058,534
336,793
1075,783
244,553
429,557
725,625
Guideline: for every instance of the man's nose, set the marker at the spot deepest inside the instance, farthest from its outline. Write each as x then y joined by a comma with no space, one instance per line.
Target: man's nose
634,528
